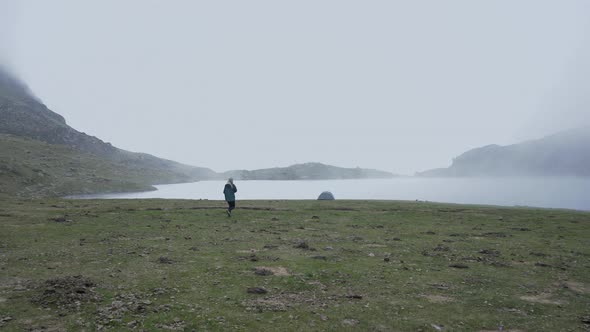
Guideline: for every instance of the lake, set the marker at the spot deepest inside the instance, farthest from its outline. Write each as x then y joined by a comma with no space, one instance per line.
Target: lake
549,192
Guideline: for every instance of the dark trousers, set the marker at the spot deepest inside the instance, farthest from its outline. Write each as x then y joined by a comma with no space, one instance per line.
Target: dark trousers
231,205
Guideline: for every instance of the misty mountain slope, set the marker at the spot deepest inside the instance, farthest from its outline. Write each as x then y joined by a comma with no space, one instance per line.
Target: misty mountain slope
44,133
31,168
308,171
563,154
22,114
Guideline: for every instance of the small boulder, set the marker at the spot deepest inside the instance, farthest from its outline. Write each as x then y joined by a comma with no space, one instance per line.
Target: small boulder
257,290
326,196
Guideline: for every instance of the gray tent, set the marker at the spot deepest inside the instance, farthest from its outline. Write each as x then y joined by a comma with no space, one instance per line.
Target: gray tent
326,195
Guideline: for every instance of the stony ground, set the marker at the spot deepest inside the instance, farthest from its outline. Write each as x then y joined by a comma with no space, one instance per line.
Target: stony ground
157,265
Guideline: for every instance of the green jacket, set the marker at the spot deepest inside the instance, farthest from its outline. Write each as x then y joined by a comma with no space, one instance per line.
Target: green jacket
230,191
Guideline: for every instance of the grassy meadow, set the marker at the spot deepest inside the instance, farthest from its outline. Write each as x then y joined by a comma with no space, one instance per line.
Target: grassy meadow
181,265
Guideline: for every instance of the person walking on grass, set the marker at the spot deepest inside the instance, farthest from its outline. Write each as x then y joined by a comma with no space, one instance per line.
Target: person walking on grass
229,191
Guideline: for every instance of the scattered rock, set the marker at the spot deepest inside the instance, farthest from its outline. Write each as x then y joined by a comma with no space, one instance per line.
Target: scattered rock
255,258
436,251
495,234
386,259
301,245
326,195
328,248
283,301
133,324
371,254
522,229
257,290
4,320
437,327
278,271
315,217
350,322
538,254
194,249
541,264
261,271
176,325
489,252
440,286
60,219
459,266
354,296
165,260
324,317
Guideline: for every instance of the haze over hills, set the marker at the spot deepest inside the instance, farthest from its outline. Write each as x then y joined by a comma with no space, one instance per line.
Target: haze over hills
308,171
43,156
563,154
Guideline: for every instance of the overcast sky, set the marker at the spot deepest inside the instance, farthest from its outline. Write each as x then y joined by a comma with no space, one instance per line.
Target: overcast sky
401,86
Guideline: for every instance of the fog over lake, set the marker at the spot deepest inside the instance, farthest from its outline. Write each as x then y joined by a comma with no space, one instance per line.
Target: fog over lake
548,192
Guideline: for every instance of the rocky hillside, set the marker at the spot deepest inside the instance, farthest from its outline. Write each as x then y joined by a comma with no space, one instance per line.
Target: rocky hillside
563,154
23,115
308,171
60,160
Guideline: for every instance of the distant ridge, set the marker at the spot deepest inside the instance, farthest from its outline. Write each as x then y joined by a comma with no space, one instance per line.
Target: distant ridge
308,171
565,153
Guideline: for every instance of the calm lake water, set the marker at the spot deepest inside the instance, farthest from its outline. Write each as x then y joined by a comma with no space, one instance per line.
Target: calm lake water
550,192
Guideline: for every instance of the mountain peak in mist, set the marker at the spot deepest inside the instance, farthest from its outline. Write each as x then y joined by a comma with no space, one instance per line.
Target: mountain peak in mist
565,153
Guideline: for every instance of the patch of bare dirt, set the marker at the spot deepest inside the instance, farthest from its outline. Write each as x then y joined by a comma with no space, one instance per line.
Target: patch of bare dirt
122,305
544,298
68,292
256,258
272,270
438,298
15,284
285,301
374,245
176,325
249,251
577,287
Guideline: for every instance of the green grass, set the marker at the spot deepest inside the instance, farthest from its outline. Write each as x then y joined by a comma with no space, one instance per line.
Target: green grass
380,266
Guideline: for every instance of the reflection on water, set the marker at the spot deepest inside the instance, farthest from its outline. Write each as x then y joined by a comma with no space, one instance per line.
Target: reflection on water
552,192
